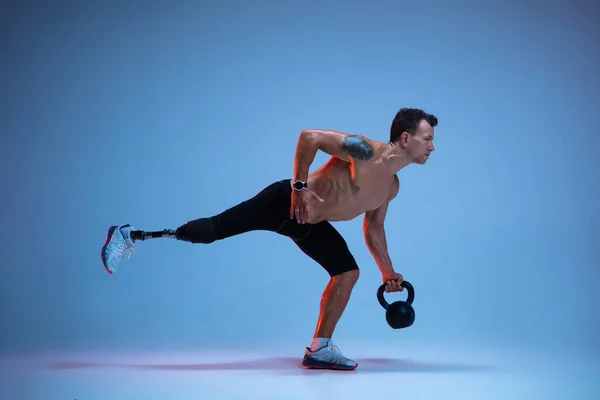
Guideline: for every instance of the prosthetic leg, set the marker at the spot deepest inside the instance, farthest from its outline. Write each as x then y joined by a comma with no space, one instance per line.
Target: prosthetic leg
143,235
201,230
120,240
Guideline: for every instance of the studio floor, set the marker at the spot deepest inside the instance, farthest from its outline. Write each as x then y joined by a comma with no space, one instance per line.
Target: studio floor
413,372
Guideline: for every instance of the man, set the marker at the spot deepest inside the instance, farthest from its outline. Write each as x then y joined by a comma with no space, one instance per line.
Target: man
360,178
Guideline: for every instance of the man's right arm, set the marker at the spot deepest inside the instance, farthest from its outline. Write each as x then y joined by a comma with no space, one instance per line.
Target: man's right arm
337,144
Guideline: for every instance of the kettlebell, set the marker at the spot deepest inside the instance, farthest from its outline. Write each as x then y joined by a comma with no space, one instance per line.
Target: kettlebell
399,314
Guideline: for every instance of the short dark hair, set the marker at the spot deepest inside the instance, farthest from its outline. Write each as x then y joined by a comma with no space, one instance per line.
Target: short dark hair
407,120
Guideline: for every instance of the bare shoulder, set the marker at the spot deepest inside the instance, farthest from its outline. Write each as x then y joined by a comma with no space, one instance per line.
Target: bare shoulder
359,147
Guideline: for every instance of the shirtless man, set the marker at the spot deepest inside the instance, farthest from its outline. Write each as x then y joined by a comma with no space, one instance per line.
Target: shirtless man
360,178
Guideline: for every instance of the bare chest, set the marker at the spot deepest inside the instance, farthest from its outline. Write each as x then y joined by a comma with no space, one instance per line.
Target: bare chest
370,188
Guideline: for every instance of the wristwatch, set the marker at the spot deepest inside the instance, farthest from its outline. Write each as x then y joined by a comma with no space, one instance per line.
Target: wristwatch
299,185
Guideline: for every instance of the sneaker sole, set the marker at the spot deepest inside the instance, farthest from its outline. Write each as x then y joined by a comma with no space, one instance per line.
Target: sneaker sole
109,236
311,363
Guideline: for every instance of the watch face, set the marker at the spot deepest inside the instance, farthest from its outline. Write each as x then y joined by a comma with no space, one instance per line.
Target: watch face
298,185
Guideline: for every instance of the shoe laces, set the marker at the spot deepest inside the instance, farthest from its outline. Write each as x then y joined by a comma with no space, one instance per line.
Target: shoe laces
123,249
335,349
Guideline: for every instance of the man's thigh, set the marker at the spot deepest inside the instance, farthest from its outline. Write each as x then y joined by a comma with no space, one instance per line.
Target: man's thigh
326,246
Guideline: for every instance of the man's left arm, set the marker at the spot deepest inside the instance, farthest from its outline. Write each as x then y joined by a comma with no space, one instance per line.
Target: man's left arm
375,238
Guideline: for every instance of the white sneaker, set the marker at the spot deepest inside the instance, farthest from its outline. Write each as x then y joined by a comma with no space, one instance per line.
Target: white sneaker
118,244
327,357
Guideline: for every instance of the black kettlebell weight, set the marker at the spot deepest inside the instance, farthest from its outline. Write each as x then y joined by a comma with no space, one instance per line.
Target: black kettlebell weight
399,314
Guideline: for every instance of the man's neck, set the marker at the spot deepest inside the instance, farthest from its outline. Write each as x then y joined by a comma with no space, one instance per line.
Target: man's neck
396,158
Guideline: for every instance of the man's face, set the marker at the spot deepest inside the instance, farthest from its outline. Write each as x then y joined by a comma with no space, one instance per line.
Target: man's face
420,145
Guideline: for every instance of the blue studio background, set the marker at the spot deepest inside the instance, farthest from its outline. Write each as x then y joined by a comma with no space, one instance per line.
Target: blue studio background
155,113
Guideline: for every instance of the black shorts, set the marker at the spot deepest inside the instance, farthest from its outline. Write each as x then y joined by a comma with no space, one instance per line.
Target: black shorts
269,210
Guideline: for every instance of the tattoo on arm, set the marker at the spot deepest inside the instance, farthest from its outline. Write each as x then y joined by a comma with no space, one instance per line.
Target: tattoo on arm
358,147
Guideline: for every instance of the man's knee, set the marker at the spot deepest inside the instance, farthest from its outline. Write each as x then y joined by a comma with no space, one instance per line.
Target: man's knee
201,230
348,278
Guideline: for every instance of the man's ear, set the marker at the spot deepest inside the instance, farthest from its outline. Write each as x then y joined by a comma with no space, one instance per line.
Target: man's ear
404,137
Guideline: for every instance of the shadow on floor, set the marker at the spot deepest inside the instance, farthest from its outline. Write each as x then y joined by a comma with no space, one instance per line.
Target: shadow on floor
289,364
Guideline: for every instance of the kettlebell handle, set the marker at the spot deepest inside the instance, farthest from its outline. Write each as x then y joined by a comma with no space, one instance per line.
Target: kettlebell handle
404,284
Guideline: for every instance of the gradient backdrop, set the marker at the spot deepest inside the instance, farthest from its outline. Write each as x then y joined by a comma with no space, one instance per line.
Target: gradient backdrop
155,113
